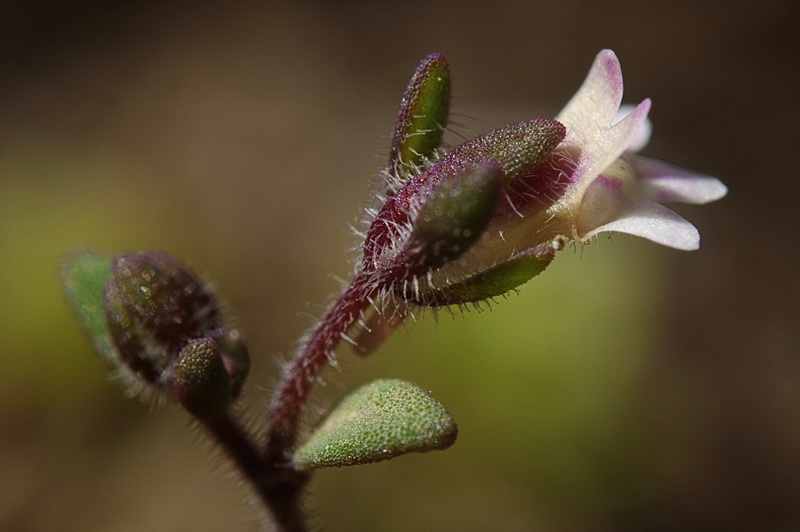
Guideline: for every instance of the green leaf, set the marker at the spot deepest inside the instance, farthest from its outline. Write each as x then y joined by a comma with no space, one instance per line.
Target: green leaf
84,276
379,421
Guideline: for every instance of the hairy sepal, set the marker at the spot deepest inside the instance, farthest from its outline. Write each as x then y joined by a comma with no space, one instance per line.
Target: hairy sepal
452,218
421,120
493,282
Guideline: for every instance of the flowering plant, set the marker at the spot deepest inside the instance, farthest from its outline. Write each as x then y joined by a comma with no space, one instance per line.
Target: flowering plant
452,228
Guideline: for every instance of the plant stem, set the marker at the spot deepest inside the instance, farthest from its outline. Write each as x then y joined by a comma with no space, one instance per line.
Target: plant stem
300,375
278,485
279,489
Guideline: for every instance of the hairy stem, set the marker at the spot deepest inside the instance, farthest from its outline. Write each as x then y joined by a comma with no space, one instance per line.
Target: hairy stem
280,490
300,375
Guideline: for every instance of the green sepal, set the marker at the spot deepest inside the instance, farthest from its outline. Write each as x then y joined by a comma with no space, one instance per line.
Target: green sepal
379,421
84,276
423,115
453,218
495,281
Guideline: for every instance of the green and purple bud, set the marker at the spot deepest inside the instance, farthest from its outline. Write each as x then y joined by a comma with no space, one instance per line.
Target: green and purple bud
200,380
146,313
154,305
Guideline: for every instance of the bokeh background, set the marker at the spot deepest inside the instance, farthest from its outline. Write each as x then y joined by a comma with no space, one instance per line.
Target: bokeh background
630,388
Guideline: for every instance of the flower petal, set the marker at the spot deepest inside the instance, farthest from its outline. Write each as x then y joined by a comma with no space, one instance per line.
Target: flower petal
598,99
654,222
641,136
667,183
603,148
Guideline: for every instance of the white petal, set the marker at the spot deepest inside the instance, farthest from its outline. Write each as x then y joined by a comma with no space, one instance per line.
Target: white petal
598,98
601,149
641,136
667,183
654,222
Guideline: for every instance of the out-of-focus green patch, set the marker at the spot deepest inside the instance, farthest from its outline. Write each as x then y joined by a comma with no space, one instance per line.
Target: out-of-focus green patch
84,276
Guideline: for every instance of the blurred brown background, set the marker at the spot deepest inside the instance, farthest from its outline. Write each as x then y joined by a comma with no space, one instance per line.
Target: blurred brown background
630,388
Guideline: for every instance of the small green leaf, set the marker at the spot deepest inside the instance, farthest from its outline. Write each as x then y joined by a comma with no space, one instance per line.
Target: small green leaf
379,421
84,276
495,281
423,115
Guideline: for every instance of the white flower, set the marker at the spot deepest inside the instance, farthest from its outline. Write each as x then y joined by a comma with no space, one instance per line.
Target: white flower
610,187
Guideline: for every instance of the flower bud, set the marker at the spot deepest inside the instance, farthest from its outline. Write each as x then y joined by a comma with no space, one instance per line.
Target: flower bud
422,117
452,218
154,304
200,379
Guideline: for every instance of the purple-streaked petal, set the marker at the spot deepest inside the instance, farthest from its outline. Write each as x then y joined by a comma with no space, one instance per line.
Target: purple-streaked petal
598,99
605,145
641,136
666,183
654,222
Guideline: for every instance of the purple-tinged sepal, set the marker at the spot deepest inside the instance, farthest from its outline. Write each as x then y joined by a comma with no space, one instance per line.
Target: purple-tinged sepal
452,218
517,148
494,282
421,121
379,326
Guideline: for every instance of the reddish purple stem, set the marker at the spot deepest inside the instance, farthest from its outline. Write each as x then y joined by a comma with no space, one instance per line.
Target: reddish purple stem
311,358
